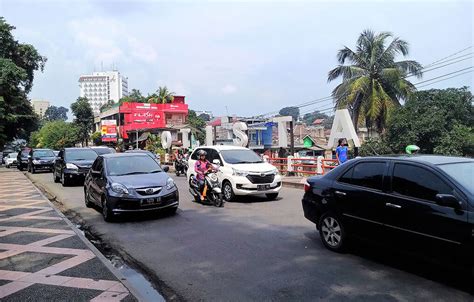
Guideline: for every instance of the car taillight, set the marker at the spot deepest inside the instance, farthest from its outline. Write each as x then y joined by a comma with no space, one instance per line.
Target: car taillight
307,187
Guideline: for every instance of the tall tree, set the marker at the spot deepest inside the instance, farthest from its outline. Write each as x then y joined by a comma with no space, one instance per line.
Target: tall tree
137,96
373,83
18,63
55,135
84,118
162,96
54,113
198,124
292,111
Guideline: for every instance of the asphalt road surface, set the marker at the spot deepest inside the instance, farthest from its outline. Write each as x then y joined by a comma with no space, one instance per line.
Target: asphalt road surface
258,250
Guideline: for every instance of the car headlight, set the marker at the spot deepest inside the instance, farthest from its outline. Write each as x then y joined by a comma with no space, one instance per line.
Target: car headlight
239,172
36,162
170,183
71,166
119,188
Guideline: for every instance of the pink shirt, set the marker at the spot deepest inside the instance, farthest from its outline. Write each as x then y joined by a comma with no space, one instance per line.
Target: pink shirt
200,167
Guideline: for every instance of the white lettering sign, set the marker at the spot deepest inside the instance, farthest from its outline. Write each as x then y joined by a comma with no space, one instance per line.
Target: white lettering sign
282,131
166,139
342,127
185,133
241,138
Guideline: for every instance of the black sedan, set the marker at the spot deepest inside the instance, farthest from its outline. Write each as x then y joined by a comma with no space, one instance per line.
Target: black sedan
41,159
73,164
419,203
129,182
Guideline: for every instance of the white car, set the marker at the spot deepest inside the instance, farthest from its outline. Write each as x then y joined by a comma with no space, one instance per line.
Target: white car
242,171
10,159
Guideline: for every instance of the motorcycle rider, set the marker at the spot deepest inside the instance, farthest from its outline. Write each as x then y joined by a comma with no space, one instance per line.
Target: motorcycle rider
201,166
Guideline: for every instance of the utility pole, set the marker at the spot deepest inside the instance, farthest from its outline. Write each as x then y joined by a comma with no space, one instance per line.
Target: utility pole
292,139
137,138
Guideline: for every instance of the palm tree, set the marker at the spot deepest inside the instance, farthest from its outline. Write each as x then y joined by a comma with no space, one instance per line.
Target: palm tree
162,96
374,84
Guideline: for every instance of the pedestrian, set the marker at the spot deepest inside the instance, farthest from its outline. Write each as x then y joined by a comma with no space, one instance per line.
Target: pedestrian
341,151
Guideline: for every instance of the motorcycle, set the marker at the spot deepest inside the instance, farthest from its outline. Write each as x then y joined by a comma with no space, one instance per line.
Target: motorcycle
181,166
212,188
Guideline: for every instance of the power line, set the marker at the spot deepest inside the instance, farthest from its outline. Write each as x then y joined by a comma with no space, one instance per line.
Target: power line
457,75
440,61
441,76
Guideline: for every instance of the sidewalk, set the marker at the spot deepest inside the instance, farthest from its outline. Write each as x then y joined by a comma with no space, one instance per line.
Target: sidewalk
42,256
293,181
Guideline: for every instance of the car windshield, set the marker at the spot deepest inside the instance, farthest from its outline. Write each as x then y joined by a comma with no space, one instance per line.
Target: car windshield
240,157
12,155
80,154
101,151
463,173
43,153
129,165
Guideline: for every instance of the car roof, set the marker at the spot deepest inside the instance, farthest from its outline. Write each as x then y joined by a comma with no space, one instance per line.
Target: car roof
224,147
41,149
130,154
430,159
137,151
99,147
78,148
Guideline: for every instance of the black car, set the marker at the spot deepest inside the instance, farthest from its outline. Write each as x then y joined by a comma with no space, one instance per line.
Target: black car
40,159
22,159
419,203
129,182
73,164
103,150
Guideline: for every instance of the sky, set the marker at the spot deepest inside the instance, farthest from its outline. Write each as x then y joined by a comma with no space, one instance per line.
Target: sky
229,57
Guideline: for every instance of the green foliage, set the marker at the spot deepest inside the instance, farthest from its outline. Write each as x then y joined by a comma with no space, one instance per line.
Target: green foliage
198,124
54,113
373,85
55,135
96,138
135,96
162,96
437,121
107,106
309,118
375,146
205,117
290,111
84,118
18,63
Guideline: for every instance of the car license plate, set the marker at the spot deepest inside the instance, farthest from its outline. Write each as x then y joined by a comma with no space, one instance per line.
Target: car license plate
151,201
263,187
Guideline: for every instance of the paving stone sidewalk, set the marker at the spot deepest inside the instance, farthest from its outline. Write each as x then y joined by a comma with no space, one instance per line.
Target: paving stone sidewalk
42,258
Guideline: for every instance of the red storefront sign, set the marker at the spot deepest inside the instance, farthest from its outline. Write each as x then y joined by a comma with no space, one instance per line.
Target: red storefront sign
109,130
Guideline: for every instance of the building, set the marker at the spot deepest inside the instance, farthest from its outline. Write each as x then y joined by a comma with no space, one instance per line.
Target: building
134,119
40,106
99,87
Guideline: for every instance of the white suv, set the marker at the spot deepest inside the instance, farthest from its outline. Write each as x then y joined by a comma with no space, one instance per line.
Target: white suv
242,171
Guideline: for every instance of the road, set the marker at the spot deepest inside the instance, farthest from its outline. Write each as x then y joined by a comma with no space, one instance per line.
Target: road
256,250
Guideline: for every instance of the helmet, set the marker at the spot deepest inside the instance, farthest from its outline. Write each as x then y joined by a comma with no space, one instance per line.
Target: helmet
202,152
411,149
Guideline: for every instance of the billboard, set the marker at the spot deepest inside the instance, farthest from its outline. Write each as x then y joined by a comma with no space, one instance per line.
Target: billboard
144,116
109,130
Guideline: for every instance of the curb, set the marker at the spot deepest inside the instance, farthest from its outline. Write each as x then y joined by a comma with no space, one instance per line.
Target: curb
90,246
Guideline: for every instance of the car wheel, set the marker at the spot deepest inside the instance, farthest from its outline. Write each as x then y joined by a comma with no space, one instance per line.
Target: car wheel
332,232
106,211
64,180
271,196
228,191
8,167
87,198
55,177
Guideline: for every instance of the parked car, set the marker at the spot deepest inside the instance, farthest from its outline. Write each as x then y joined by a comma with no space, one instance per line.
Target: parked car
149,153
40,159
5,154
10,160
22,158
56,153
419,203
73,164
129,182
242,171
103,150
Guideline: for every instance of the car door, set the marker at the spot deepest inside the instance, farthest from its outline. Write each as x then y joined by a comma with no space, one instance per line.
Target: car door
97,178
414,216
59,163
360,198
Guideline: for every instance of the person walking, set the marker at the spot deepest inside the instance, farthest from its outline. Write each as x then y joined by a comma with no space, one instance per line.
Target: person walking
341,151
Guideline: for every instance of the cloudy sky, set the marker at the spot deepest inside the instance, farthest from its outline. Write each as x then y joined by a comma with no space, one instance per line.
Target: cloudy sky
244,57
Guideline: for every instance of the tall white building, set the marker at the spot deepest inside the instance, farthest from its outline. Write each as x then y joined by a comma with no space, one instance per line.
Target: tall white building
99,87
40,106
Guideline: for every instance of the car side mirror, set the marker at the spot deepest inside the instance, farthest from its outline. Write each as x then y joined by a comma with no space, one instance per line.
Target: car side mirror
447,200
216,162
29,156
165,168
